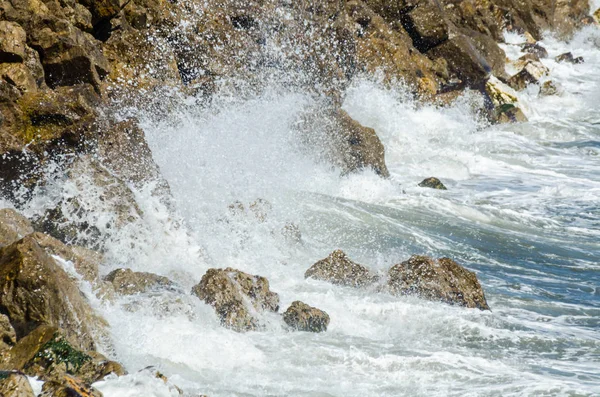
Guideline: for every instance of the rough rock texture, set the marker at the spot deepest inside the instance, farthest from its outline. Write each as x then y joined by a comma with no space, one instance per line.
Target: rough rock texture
35,291
432,183
568,57
68,386
530,74
441,279
337,268
128,282
13,226
503,104
237,297
8,337
303,317
46,353
15,384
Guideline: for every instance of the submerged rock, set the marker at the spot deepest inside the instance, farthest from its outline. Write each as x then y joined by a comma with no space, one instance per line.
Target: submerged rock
35,291
237,297
15,384
303,317
432,183
548,88
13,226
338,269
569,58
128,282
441,279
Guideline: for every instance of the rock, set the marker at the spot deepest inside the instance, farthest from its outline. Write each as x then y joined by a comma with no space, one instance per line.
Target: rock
530,74
568,57
68,386
12,42
128,282
548,88
36,291
464,60
441,279
336,138
236,297
13,226
503,103
291,233
596,15
535,49
75,219
426,25
69,56
8,337
303,317
15,384
432,183
338,269
47,354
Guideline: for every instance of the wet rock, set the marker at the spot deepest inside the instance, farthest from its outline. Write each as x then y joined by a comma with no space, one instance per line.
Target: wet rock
464,60
569,58
432,183
13,226
535,49
548,88
8,337
426,25
68,386
47,354
303,317
36,291
15,384
441,279
503,103
352,146
338,269
12,42
128,282
596,15
530,74
75,220
237,297
291,232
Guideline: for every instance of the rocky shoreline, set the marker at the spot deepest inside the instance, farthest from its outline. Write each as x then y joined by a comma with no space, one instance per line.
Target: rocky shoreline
66,66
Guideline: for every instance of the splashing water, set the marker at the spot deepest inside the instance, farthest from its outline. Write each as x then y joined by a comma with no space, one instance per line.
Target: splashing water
522,211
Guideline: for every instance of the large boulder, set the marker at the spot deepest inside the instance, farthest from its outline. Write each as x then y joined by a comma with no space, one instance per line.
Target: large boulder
35,290
47,354
303,317
237,297
15,384
12,42
441,279
13,226
530,74
128,282
338,269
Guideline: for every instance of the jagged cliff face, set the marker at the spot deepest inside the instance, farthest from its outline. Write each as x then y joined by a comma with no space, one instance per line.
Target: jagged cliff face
62,61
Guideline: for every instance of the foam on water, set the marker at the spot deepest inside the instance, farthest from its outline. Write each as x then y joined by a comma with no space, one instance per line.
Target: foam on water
522,210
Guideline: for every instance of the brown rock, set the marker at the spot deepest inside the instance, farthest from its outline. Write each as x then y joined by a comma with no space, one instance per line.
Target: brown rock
303,317
68,386
548,88
12,42
441,279
337,268
510,114
236,295
426,25
464,60
128,282
433,183
8,337
15,384
530,74
35,291
13,226
28,346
